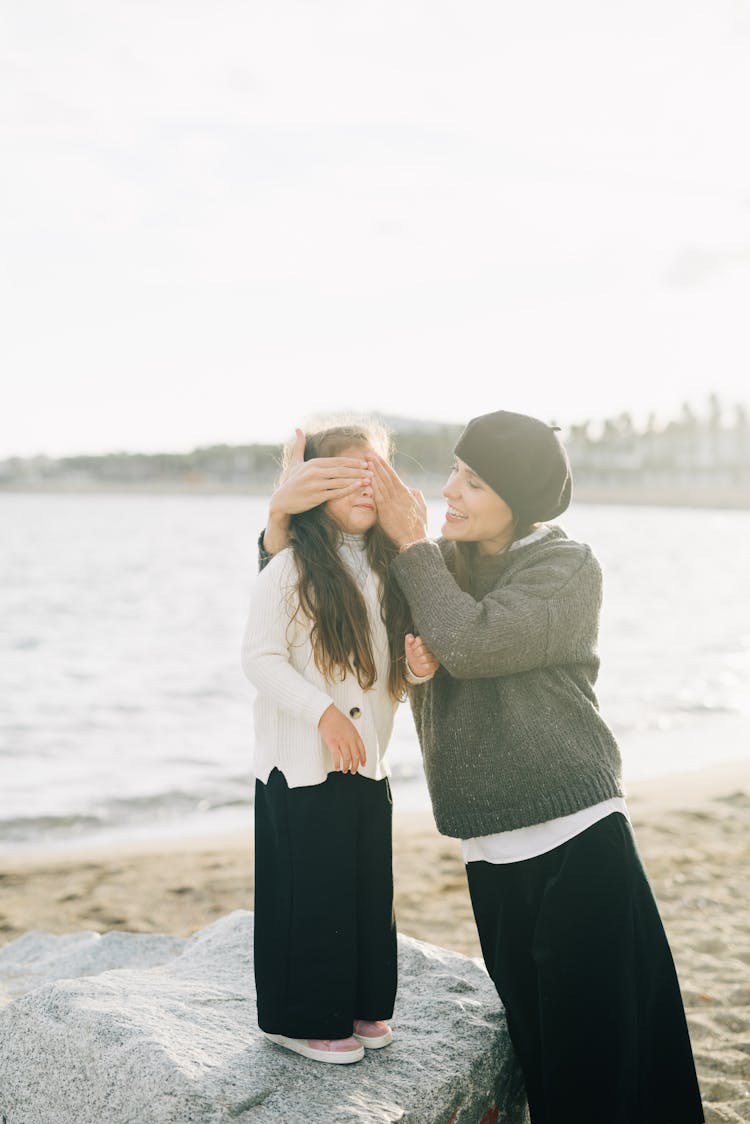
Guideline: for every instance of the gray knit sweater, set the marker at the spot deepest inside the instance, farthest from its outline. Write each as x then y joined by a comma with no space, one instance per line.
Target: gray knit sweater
509,726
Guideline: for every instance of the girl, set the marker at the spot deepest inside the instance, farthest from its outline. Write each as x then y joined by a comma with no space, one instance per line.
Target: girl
324,646
523,769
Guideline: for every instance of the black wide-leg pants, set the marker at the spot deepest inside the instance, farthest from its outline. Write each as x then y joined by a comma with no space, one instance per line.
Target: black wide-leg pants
575,946
325,934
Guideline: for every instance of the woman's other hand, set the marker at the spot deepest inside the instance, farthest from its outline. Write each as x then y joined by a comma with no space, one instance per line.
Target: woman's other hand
308,484
342,739
419,657
402,512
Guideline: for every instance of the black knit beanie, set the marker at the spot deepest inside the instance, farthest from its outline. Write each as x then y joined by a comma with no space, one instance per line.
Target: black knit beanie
523,460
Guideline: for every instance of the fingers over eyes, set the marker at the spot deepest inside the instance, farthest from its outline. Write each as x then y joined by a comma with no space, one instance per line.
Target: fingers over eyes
340,466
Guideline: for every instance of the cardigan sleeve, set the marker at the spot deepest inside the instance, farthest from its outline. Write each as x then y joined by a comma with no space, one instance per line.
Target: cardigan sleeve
546,614
415,680
265,646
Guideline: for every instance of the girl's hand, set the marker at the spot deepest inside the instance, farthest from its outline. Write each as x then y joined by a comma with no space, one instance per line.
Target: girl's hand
419,657
402,513
308,484
341,737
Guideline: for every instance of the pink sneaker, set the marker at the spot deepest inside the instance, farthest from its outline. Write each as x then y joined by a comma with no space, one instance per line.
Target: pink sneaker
373,1036
339,1051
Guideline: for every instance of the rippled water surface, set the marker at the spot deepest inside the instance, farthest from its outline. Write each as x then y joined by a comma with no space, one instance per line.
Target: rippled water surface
123,707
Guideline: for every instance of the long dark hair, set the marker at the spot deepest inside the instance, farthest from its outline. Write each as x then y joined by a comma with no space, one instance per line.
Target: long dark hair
326,591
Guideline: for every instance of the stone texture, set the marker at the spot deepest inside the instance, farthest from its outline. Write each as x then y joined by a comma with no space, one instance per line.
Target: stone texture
136,1029
37,958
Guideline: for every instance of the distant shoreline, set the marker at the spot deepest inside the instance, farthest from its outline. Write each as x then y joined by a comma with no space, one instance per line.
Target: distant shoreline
701,497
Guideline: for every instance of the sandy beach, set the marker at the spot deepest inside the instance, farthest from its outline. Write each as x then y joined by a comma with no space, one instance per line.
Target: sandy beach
691,829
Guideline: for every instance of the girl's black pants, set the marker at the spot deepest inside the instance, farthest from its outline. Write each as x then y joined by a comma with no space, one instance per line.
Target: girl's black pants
325,934
575,946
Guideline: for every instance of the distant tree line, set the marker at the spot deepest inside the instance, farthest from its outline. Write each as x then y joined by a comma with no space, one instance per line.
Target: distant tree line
422,451
713,443
708,448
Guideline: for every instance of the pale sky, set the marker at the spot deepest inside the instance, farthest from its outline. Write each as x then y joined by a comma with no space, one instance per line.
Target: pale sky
219,218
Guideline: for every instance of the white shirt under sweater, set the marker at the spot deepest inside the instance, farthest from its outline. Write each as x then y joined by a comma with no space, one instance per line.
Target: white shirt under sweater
277,657
527,842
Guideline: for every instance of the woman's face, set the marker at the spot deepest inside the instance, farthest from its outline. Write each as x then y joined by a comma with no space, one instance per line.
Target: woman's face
355,513
475,512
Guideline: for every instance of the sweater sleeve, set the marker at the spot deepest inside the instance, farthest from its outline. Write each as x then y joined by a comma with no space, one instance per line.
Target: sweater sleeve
264,557
265,646
546,614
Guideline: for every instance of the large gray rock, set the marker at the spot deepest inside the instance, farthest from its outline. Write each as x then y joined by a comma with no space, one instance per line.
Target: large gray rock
37,958
172,1038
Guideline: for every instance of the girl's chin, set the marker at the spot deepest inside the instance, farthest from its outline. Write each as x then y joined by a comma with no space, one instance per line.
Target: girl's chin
451,530
359,525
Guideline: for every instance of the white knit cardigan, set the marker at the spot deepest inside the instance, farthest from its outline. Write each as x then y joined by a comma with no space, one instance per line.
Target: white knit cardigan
292,694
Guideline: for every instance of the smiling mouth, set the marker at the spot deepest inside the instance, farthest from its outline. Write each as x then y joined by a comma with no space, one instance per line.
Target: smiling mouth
451,513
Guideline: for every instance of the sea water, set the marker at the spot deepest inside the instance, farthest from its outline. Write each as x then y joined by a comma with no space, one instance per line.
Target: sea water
124,711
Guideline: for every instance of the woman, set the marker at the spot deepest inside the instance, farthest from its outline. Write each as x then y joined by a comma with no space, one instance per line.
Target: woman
524,770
